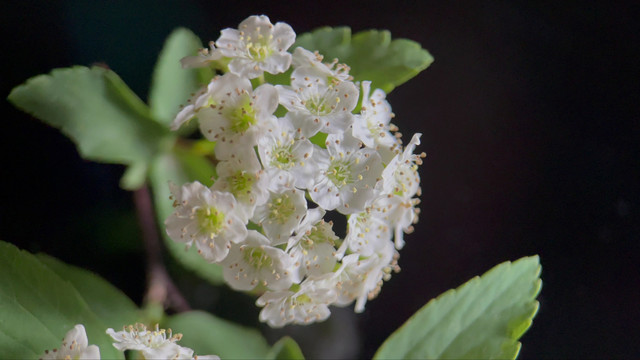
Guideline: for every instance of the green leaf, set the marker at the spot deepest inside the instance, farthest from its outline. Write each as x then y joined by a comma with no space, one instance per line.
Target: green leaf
110,304
209,335
482,319
38,307
95,109
285,349
181,167
371,54
171,84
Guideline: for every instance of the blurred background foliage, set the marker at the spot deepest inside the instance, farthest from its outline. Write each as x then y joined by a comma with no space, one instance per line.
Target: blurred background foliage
530,123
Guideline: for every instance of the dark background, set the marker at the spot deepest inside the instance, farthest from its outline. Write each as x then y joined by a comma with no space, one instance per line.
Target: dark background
530,123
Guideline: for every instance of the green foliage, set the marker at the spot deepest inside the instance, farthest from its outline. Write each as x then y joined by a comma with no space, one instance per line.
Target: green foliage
285,349
180,167
371,54
482,319
110,304
171,84
97,110
39,306
209,335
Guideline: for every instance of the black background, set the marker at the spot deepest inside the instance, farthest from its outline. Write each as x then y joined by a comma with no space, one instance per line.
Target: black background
530,123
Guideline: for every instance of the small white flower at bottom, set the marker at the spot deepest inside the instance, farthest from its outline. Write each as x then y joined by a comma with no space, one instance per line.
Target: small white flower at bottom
75,345
154,344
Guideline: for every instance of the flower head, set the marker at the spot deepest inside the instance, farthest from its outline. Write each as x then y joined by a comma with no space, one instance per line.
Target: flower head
255,262
75,345
257,46
315,104
304,306
211,219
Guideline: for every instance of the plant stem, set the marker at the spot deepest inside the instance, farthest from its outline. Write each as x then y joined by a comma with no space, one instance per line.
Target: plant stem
161,289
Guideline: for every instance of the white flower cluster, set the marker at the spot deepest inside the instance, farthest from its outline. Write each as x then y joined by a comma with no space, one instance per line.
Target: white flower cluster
157,344
154,344
278,176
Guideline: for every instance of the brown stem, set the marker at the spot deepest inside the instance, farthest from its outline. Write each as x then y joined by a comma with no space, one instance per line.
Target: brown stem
161,288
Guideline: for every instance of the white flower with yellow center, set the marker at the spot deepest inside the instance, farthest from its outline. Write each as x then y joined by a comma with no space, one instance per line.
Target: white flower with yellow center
361,278
75,346
255,262
346,175
236,115
312,248
153,344
257,46
368,231
306,305
315,104
372,126
281,214
243,177
283,149
333,71
209,219
400,183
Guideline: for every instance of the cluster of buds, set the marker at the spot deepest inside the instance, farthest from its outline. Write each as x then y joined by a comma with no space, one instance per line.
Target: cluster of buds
289,155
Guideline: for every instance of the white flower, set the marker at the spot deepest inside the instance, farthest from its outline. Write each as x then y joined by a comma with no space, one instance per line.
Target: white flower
307,305
368,231
283,149
371,126
331,71
154,344
243,177
316,104
401,177
75,345
204,57
254,262
361,278
347,175
312,248
257,46
236,115
197,101
281,214
210,219
401,182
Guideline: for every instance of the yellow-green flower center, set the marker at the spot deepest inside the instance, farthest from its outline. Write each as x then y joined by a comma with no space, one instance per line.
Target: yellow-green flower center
339,173
257,258
211,220
243,116
282,157
241,183
281,209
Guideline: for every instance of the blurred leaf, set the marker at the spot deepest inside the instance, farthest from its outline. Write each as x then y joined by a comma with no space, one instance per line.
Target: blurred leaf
482,319
180,168
285,349
209,335
97,110
371,54
110,304
134,177
171,84
39,307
